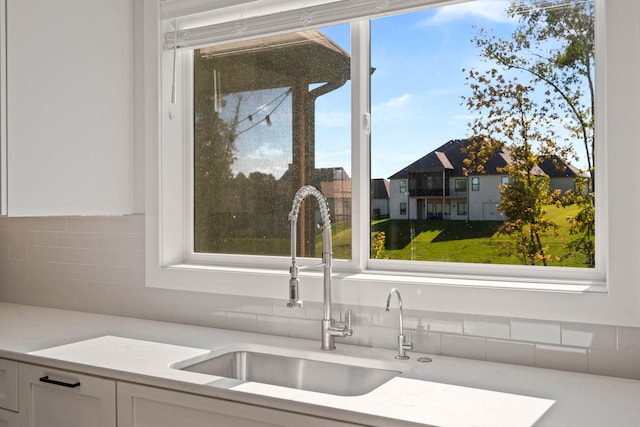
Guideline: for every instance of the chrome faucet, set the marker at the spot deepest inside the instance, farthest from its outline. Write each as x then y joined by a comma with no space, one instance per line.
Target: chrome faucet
403,345
330,327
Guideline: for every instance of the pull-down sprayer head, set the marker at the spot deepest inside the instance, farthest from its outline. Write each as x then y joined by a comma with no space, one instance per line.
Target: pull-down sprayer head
300,196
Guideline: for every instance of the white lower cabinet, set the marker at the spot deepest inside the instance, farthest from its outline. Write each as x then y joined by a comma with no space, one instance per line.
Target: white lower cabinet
37,396
54,398
142,406
8,393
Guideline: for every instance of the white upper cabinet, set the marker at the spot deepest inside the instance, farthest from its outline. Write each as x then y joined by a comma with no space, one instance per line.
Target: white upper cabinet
69,107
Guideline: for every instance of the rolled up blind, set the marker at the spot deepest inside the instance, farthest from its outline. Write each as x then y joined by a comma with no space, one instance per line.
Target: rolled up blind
297,17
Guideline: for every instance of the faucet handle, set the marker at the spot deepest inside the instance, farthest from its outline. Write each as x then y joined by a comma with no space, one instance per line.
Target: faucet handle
407,342
349,331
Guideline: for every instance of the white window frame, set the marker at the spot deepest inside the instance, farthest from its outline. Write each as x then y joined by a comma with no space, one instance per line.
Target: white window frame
511,291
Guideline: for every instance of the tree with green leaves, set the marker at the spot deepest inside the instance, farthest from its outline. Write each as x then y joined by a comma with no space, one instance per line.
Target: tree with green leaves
511,122
553,45
214,149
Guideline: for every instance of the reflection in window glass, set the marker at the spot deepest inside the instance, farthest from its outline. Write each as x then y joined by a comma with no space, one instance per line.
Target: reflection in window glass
501,92
271,115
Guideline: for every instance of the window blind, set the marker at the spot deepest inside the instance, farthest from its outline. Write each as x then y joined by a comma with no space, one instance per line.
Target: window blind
293,19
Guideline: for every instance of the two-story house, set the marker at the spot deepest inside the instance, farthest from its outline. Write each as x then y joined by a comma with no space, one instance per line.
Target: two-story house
436,187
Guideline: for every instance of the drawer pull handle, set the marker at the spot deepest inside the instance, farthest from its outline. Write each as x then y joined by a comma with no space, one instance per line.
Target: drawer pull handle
46,379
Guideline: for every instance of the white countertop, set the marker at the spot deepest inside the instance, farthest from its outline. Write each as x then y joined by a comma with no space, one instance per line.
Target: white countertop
445,392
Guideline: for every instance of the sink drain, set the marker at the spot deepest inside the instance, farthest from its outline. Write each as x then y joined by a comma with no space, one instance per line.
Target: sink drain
424,359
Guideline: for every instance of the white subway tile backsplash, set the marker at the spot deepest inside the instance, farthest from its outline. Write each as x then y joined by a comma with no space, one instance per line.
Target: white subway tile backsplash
614,364
538,331
97,264
313,310
215,319
99,225
242,321
46,238
375,336
443,322
487,326
372,316
304,328
629,340
67,240
77,224
462,346
426,342
37,223
564,358
272,325
121,224
26,238
56,255
279,308
37,253
254,305
517,353
56,224
589,336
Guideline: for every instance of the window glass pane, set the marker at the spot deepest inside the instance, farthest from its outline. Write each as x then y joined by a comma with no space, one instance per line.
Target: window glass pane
272,115
503,93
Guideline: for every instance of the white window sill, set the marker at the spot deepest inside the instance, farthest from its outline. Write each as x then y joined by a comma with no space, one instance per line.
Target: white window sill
574,302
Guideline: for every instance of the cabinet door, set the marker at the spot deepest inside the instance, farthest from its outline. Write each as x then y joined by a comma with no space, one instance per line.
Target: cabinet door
53,398
8,385
70,107
140,406
8,418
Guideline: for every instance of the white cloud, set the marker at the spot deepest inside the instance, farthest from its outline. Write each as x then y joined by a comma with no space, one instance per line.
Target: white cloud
333,119
491,10
393,108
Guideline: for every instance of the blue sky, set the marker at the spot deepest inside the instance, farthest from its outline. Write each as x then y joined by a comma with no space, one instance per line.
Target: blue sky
417,84
416,92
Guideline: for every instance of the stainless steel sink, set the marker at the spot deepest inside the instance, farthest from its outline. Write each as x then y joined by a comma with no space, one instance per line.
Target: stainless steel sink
344,379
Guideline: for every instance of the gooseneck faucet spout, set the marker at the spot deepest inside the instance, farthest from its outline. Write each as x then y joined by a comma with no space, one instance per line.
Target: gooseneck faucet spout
403,344
330,328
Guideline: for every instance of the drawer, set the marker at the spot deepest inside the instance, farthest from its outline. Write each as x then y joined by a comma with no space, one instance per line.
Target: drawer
9,385
8,418
55,398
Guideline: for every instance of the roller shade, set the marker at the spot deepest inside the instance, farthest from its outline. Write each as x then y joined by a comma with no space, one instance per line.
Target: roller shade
300,17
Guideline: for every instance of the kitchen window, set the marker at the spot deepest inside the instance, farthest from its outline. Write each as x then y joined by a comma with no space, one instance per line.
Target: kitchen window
234,272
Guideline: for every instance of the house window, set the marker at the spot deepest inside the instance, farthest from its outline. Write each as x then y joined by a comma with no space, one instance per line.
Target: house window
461,185
475,183
403,208
386,143
403,186
462,208
505,180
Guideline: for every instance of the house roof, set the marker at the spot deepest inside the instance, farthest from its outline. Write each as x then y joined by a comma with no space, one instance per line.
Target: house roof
277,61
380,188
321,174
556,167
450,156
331,174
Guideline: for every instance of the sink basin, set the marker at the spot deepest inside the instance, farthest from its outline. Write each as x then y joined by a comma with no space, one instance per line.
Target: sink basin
357,377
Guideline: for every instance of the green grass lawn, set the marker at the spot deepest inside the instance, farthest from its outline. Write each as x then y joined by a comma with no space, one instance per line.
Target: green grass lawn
472,242
435,240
